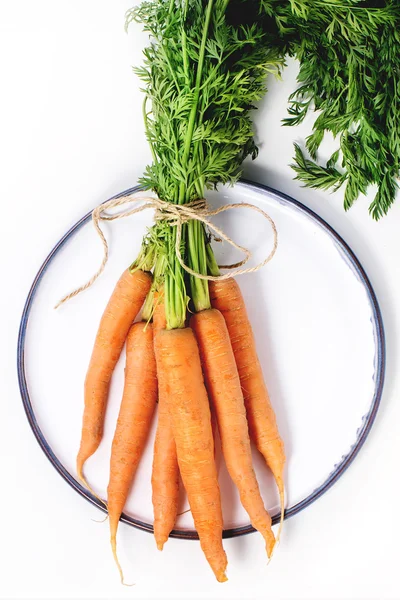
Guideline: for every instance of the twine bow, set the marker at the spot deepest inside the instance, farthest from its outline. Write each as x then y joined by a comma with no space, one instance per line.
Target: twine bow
176,215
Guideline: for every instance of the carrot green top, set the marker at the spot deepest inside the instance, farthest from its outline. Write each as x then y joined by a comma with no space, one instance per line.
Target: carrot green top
203,72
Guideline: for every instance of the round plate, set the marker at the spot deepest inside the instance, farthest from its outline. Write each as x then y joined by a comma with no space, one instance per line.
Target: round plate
318,330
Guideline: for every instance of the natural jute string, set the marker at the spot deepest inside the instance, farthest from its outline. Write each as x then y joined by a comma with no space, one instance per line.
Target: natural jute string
176,215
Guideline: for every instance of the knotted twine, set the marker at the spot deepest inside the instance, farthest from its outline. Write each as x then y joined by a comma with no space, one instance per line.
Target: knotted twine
177,215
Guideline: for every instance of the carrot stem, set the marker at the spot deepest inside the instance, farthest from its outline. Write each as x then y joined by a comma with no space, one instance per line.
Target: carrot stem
198,262
212,265
158,274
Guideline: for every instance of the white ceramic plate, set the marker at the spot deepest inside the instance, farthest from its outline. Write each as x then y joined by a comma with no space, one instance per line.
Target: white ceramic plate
319,336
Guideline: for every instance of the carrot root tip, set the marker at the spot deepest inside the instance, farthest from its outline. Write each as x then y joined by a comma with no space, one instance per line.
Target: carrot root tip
114,551
86,484
101,520
183,512
282,502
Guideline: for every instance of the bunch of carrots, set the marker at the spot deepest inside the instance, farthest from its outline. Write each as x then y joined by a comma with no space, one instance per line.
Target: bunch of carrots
193,351
209,366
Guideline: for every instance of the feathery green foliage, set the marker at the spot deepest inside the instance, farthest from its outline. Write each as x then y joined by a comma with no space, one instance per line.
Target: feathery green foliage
349,54
205,69
202,75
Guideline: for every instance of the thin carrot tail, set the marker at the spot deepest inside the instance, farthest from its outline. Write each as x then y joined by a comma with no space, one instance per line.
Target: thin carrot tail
281,489
121,573
161,531
83,454
221,577
113,541
270,543
101,520
90,442
86,484
165,517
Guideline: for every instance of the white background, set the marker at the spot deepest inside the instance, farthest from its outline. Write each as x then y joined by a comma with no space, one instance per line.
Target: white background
71,135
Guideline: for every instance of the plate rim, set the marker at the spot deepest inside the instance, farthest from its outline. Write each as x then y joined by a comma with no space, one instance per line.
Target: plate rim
338,470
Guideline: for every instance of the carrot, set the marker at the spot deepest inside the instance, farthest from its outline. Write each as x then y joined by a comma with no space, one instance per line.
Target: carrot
134,421
122,308
180,376
165,472
227,298
223,385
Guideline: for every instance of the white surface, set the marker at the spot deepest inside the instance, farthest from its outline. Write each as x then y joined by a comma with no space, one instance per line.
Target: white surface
71,136
310,288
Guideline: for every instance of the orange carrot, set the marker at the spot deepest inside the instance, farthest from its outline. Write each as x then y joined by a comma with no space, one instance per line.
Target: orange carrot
181,379
134,421
165,473
223,385
227,298
122,308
